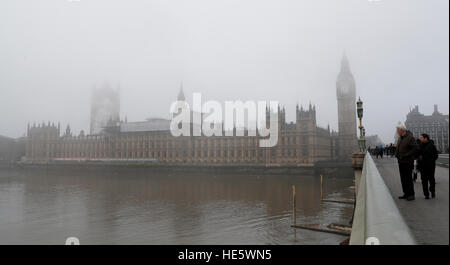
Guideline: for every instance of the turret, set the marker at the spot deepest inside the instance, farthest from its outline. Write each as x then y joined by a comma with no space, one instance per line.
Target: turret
68,133
281,116
302,114
181,96
436,112
41,141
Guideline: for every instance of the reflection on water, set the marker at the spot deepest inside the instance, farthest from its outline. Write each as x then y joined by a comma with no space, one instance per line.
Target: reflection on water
138,207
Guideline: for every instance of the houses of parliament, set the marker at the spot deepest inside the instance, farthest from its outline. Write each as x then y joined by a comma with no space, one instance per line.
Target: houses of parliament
300,143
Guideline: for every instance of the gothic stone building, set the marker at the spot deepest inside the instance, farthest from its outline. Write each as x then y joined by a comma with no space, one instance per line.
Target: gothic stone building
436,125
299,144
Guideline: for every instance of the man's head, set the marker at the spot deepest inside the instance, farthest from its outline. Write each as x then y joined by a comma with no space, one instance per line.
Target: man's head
424,138
401,129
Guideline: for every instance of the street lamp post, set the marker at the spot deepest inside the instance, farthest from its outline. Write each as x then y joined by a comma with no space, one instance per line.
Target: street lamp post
362,131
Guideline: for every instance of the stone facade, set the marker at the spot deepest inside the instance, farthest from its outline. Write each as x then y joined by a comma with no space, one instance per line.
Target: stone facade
435,125
299,144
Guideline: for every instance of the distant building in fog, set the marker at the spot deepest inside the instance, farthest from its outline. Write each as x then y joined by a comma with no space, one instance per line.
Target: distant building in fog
105,107
11,149
436,125
346,99
373,140
300,143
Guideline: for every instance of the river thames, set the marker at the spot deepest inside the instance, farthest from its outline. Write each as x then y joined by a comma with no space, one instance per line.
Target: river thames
137,207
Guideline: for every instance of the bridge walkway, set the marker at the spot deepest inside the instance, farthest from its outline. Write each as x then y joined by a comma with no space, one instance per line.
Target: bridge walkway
428,220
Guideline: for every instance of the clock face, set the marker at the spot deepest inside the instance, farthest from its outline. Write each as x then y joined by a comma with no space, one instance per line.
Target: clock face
345,89
346,83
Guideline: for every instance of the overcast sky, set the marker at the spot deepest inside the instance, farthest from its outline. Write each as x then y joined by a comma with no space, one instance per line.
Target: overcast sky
53,52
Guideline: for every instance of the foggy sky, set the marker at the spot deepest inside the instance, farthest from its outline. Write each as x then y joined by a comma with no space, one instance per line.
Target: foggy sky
53,52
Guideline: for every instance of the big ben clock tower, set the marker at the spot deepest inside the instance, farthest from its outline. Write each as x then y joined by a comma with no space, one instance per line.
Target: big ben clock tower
346,98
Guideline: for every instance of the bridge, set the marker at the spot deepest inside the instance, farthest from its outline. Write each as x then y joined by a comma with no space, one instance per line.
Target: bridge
381,218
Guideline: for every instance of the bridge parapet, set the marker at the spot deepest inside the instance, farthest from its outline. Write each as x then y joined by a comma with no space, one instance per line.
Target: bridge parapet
377,219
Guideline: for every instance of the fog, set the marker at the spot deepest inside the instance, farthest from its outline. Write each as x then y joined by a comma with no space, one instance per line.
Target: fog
53,52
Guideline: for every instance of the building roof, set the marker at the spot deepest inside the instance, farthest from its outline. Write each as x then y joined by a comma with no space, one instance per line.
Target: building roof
415,116
6,138
154,124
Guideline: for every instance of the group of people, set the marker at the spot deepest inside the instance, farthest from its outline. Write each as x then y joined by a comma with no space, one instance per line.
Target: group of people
407,151
379,151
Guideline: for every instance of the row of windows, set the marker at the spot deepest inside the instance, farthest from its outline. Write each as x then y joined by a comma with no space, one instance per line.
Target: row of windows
156,154
200,154
149,145
66,154
242,140
164,141
434,135
430,129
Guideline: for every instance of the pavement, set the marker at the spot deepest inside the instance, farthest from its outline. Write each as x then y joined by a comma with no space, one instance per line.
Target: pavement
442,160
428,220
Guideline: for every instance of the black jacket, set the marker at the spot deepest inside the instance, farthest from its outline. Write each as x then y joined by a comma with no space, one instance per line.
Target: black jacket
407,148
428,154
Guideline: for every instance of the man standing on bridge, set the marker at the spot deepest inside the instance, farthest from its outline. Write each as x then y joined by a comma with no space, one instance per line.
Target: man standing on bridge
406,152
427,164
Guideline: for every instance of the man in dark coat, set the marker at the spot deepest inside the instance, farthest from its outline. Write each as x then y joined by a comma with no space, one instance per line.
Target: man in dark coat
427,163
406,151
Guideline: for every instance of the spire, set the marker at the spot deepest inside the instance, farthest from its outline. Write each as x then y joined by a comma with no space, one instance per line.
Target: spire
68,133
436,111
345,83
181,93
345,66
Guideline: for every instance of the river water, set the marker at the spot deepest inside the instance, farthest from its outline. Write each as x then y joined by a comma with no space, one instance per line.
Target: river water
131,207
